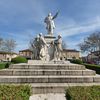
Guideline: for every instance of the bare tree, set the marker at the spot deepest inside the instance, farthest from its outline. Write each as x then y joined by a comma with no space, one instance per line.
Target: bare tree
91,43
9,45
1,40
64,45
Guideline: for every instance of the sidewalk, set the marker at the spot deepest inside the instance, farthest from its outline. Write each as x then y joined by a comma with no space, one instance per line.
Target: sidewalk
49,96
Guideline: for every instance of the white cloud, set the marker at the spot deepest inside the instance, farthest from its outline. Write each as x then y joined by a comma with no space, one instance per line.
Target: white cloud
27,16
78,29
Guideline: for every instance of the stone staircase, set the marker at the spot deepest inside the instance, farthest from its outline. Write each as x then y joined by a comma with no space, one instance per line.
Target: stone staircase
49,77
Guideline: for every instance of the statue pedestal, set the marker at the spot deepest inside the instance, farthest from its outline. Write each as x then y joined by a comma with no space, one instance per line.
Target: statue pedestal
50,39
34,62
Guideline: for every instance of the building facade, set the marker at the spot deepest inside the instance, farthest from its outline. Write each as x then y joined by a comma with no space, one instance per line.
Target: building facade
27,53
71,53
7,56
67,53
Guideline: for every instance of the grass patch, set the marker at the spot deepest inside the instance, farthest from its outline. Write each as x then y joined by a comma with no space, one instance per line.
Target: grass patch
93,67
15,92
83,93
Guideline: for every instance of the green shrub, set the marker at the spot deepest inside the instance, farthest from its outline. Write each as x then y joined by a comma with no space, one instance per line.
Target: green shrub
83,93
2,65
19,59
7,64
93,67
15,92
76,61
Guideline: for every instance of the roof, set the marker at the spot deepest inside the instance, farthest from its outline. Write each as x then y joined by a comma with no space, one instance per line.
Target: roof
70,50
4,52
25,50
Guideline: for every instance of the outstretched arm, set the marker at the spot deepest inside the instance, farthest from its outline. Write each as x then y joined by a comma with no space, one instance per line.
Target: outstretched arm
55,15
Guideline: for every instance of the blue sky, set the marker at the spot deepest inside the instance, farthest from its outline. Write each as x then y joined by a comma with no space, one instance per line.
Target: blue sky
22,20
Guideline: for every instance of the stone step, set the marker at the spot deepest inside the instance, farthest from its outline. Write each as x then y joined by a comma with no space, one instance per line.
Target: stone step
48,66
29,72
49,79
41,88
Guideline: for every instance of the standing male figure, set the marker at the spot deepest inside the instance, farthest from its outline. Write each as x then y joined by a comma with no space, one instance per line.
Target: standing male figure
58,48
44,48
49,20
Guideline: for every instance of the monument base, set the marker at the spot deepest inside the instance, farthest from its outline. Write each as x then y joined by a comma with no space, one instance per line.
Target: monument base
48,77
49,38
48,62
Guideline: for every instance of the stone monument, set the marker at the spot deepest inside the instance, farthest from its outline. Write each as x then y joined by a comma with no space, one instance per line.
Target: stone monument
49,48
49,38
47,75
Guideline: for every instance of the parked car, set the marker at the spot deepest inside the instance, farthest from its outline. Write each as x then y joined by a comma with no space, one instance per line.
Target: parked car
91,62
98,62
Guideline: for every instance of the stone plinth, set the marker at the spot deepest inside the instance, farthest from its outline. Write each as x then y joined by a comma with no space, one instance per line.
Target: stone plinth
49,38
48,62
48,76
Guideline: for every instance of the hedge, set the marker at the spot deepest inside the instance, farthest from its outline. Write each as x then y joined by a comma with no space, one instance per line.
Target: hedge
15,92
93,67
4,65
83,93
76,61
19,59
